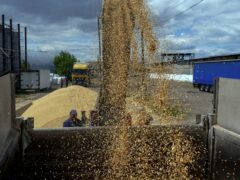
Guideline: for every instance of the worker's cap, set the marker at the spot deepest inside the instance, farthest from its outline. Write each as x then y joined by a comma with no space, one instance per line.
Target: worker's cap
73,112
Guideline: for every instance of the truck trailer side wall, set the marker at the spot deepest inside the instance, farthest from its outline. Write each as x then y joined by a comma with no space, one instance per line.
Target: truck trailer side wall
9,127
205,73
35,79
7,107
224,135
44,79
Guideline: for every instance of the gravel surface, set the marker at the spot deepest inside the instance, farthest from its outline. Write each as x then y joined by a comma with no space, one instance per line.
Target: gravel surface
193,100
23,99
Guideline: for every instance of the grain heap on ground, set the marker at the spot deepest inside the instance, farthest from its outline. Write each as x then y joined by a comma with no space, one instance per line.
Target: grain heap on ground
51,110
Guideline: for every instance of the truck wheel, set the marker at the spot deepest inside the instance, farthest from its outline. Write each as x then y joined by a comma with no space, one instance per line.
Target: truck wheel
201,88
211,89
206,89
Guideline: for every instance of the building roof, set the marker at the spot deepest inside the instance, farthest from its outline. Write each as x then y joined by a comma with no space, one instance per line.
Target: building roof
217,58
174,54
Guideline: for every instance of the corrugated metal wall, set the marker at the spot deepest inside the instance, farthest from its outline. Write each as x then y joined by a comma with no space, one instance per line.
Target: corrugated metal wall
8,51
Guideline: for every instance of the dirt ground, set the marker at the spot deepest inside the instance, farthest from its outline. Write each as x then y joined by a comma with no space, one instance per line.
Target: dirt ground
29,97
188,100
25,98
193,100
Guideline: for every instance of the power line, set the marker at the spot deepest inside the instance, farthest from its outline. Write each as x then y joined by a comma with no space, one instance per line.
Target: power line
178,4
191,7
182,12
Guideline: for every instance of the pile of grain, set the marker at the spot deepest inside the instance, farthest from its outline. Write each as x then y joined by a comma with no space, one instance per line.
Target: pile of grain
51,110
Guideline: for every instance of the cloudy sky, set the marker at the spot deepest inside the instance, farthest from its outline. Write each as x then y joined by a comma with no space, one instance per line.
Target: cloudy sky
205,27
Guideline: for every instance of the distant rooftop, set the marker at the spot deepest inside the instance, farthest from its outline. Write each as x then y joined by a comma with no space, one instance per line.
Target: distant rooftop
173,54
217,58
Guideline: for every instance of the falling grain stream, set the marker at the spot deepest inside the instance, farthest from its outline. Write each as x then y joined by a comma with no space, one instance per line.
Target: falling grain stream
141,153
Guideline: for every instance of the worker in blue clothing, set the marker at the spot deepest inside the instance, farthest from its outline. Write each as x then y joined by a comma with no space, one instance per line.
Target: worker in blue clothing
73,121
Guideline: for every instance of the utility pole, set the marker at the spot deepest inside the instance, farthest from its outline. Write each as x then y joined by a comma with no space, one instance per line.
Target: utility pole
26,55
19,48
100,45
144,88
11,42
100,61
3,44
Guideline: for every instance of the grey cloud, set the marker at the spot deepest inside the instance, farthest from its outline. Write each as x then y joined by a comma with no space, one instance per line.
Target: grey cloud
88,26
55,10
48,13
212,26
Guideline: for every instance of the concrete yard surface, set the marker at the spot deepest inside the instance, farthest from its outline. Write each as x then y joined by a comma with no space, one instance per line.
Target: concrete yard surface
194,101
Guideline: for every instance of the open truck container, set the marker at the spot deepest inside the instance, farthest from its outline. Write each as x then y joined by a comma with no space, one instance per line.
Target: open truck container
30,153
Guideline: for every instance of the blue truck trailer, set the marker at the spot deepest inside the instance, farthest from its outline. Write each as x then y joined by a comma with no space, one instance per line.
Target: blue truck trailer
205,73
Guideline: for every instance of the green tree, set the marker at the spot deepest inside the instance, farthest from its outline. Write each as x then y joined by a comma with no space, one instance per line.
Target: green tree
24,66
63,63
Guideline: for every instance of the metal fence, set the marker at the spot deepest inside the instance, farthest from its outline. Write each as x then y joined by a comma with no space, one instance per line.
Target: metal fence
10,48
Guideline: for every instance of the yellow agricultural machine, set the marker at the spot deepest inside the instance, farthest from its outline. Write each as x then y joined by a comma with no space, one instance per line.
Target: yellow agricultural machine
81,74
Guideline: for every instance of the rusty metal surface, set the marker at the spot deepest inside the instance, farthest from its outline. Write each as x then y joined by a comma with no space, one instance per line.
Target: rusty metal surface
9,126
7,107
226,159
224,133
